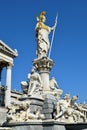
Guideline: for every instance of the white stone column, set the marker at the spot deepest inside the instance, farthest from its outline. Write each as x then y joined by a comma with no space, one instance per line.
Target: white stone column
44,66
8,85
0,75
45,80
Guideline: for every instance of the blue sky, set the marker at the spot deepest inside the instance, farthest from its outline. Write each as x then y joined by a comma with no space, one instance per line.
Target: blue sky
69,52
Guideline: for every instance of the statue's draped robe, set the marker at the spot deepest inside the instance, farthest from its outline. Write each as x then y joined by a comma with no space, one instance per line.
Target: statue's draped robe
42,37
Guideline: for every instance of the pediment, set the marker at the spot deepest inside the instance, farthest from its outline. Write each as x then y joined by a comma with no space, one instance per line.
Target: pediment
7,50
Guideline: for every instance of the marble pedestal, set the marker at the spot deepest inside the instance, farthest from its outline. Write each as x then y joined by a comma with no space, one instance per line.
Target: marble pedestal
48,106
46,125
36,103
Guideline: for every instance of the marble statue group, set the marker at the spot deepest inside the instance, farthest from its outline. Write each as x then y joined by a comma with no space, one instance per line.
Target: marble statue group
40,86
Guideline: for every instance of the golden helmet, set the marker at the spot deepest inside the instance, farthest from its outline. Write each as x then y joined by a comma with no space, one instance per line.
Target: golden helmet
41,16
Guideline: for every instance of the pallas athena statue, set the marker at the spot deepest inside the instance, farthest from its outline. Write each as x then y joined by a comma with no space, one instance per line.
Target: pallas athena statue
42,36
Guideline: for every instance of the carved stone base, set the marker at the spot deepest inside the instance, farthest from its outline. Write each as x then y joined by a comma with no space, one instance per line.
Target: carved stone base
36,103
48,106
46,125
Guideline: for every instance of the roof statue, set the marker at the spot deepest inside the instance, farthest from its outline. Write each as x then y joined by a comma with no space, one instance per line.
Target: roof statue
42,35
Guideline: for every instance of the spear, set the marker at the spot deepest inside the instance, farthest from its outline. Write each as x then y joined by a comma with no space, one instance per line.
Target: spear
53,35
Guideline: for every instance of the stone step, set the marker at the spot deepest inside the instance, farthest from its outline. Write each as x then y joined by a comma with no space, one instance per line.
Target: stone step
5,128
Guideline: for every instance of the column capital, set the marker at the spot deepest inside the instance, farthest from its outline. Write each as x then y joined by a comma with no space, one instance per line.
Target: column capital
9,65
43,64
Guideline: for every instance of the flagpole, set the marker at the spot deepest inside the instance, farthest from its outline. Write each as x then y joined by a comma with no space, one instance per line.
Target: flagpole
53,36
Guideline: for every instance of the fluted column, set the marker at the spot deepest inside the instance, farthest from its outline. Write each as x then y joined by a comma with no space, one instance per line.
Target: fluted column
8,85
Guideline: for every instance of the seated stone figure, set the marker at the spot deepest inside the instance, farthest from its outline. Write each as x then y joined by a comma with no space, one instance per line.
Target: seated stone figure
55,88
35,83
